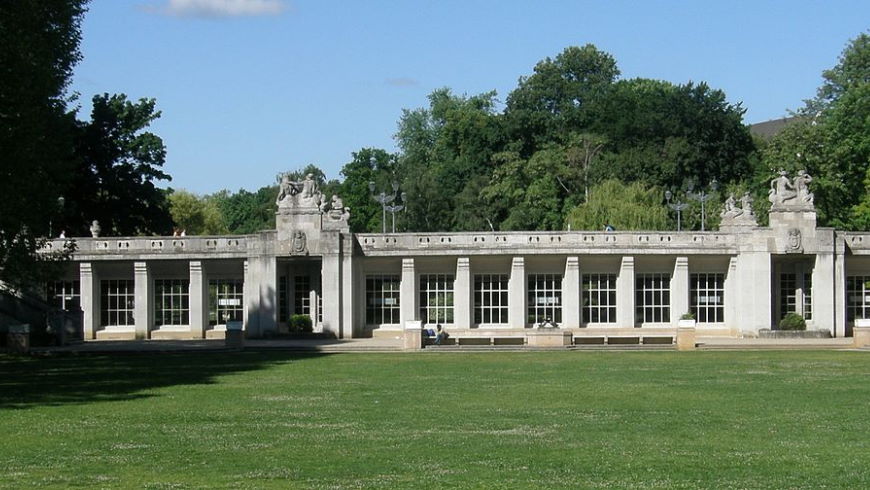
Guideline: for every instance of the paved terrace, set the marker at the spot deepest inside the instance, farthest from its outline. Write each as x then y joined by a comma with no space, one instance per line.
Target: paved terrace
395,345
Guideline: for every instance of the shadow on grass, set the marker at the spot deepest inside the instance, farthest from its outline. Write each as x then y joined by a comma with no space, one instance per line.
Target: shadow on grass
26,382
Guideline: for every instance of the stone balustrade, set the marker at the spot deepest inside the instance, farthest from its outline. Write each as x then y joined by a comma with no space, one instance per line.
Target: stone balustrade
140,247
555,242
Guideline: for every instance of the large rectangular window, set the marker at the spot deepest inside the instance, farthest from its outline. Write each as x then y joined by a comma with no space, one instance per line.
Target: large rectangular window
653,297
808,295
599,298
788,293
65,295
225,301
544,301
302,295
171,302
436,299
490,299
382,300
707,301
857,297
283,306
117,301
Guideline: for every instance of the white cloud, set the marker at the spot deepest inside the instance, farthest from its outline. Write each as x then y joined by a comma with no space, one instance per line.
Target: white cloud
222,8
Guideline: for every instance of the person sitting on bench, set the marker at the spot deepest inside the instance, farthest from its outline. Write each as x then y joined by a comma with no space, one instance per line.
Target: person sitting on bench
441,334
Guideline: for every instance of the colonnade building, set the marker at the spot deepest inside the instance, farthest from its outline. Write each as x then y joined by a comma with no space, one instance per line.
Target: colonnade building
735,281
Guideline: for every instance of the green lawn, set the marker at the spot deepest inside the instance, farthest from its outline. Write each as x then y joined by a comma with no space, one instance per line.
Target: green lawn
434,420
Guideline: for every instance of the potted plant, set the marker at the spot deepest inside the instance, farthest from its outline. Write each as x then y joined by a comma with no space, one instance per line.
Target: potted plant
792,321
687,320
301,324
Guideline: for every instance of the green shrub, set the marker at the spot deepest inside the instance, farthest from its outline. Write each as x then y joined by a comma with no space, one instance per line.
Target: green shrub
301,323
792,321
688,316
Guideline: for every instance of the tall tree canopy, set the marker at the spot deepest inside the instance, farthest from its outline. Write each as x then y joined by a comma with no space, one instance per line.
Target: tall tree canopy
39,46
118,164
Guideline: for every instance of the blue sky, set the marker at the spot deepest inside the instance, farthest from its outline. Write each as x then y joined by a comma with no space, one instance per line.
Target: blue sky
251,88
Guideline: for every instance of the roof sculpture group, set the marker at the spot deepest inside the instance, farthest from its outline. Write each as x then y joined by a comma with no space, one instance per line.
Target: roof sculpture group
305,196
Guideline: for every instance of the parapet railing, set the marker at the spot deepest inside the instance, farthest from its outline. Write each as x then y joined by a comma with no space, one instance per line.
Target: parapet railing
152,245
495,241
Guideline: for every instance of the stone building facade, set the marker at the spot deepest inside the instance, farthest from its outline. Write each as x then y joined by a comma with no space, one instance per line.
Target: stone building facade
735,281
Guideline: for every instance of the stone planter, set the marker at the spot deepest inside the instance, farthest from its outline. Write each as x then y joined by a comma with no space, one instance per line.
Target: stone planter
690,323
766,333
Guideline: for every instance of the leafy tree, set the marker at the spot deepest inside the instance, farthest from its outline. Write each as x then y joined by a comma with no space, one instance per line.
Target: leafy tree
118,164
663,134
555,100
368,165
196,215
832,141
39,46
247,212
625,206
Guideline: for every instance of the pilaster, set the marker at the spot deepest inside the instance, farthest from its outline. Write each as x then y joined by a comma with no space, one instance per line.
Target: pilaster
731,297
571,293
625,314
143,297
348,300
408,292
517,293
679,289
198,300
90,299
330,274
754,293
462,315
824,292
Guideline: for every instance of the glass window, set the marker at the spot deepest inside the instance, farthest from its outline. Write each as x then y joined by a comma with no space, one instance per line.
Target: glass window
599,298
653,297
707,292
302,295
283,307
382,300
171,302
65,295
490,299
857,297
544,298
117,301
436,299
226,301
808,295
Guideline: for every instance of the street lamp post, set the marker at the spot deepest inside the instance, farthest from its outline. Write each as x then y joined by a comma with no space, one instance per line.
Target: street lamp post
386,200
702,196
677,206
395,208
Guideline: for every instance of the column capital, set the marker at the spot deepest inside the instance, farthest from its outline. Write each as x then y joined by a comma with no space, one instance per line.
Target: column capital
140,267
407,264
86,268
572,263
195,267
518,263
463,264
681,263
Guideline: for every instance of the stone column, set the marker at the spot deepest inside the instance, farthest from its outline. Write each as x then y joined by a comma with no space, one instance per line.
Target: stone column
247,296
625,294
571,293
754,293
143,298
839,289
261,294
348,300
198,300
731,295
824,292
679,289
408,292
517,293
462,294
330,281
90,298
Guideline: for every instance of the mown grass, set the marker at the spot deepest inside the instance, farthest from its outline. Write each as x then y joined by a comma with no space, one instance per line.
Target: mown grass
438,420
